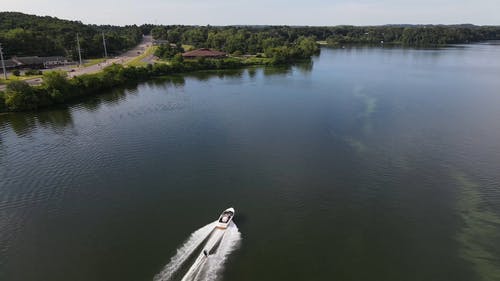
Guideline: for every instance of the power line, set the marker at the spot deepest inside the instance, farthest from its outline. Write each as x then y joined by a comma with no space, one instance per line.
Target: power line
3,63
79,50
104,43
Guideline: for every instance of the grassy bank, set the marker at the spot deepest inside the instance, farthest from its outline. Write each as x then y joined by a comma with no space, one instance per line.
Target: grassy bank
91,62
18,78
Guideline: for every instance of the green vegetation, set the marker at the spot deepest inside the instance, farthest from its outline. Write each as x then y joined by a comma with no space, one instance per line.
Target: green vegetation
187,47
31,74
167,51
302,48
57,89
256,39
283,43
91,62
417,36
29,35
20,96
237,41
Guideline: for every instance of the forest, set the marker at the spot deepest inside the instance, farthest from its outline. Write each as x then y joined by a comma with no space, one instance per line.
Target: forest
412,36
30,35
253,39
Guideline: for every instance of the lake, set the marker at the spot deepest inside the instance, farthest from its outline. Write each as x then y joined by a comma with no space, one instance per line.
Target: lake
366,164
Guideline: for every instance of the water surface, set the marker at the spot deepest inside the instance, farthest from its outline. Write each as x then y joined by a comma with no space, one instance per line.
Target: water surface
367,164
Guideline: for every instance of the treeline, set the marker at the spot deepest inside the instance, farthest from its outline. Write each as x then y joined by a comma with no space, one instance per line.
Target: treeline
167,51
281,44
30,35
253,39
236,40
277,51
57,89
418,36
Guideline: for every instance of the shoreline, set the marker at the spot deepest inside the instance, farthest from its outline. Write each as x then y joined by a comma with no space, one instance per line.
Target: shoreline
67,90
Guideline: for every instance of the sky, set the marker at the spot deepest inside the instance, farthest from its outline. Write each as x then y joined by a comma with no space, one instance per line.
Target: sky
264,12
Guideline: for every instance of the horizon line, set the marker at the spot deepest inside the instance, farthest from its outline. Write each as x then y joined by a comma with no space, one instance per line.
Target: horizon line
261,25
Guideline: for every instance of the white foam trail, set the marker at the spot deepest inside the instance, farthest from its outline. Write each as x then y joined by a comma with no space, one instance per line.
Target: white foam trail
214,264
184,252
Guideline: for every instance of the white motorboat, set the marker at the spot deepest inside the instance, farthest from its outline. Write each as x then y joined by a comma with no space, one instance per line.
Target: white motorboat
211,245
225,218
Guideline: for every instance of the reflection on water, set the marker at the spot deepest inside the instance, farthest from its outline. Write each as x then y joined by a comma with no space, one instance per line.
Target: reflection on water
60,117
55,120
23,123
19,123
335,165
282,70
207,75
252,71
305,67
175,81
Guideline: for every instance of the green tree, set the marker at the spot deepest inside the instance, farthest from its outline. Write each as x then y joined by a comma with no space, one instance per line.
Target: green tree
307,46
194,36
167,51
29,35
178,58
174,35
20,96
159,32
56,84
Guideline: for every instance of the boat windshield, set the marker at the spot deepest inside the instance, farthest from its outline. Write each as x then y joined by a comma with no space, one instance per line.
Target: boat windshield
226,216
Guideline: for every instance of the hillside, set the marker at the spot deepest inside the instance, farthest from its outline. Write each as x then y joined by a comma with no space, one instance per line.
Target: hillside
30,35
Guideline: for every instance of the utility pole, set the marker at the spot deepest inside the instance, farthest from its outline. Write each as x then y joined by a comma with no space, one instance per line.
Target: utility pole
3,63
104,43
79,50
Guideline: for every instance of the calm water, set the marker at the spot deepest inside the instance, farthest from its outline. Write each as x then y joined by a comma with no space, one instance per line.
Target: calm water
368,164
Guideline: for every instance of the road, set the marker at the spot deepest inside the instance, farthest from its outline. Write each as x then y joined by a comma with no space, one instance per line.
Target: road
121,59
74,70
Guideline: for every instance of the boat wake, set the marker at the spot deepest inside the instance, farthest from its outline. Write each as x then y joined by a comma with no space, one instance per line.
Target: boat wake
206,269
